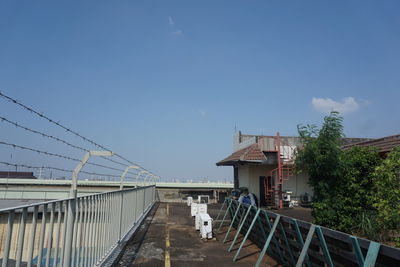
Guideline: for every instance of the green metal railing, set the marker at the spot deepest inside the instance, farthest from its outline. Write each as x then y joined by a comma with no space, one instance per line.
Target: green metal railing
296,243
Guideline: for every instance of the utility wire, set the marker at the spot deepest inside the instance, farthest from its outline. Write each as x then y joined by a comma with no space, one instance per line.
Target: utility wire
15,101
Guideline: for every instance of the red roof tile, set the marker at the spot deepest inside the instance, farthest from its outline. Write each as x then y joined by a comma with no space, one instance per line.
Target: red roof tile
250,153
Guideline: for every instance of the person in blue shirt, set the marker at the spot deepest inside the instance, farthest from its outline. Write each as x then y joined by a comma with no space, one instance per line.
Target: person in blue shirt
247,198
235,194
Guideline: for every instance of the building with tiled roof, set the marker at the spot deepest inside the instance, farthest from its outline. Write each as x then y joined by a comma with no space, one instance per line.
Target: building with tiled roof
383,145
250,154
256,166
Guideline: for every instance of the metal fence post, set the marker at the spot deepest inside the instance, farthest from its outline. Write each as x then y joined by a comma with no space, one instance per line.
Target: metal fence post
72,204
240,228
121,186
21,236
372,252
7,245
137,177
306,245
31,243
69,232
247,234
226,213
144,181
42,234
232,222
120,215
268,241
220,210
325,249
300,240
50,237
144,200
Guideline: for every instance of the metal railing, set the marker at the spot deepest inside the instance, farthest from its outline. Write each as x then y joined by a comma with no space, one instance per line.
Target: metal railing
39,234
293,242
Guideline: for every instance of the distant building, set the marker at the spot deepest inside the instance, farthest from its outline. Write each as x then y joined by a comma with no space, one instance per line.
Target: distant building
17,175
383,145
256,165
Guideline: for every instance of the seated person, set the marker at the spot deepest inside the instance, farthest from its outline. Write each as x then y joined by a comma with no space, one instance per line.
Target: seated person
247,198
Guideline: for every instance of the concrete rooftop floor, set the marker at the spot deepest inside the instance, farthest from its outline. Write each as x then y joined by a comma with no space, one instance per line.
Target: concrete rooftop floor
167,238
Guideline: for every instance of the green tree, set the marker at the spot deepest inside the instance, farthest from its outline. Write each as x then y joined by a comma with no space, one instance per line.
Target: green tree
320,158
354,190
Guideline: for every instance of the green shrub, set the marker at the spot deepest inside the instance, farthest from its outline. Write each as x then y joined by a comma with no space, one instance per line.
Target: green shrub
355,191
366,226
386,195
397,242
342,180
320,157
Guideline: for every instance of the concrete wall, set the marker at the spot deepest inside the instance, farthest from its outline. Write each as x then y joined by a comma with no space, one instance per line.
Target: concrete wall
180,195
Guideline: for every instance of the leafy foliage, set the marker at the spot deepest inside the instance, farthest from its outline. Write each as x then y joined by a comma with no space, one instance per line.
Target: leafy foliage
365,225
320,157
397,241
387,191
355,190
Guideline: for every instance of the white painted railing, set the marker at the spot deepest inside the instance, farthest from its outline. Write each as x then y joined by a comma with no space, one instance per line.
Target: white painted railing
38,234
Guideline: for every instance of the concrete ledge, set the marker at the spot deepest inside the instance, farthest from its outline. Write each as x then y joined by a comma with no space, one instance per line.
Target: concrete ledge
41,182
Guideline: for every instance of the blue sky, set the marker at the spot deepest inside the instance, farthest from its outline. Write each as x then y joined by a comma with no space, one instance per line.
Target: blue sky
165,82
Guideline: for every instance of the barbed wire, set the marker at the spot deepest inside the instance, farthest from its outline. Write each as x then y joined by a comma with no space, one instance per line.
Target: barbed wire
34,167
116,162
15,101
40,114
56,155
103,174
59,169
16,124
42,134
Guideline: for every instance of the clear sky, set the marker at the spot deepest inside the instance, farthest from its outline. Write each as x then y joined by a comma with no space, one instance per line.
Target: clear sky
165,82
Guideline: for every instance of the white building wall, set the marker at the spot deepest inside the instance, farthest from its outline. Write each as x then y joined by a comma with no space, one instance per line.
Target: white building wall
249,176
255,173
298,184
243,176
